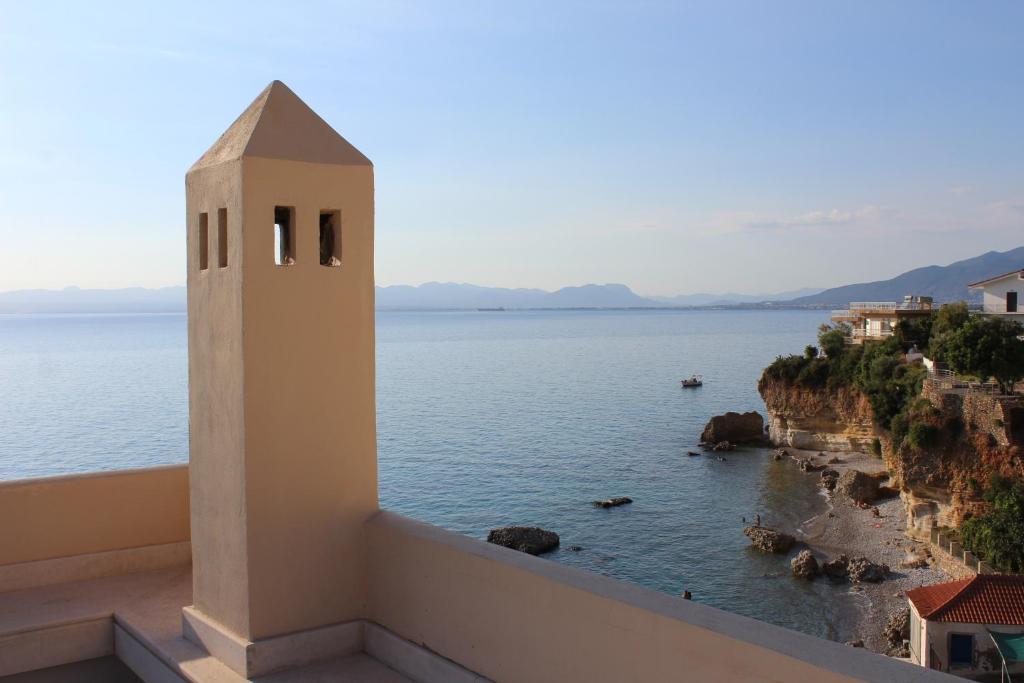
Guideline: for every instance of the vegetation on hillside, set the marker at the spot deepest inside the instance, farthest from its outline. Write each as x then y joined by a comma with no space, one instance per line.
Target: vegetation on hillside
877,369
998,535
982,347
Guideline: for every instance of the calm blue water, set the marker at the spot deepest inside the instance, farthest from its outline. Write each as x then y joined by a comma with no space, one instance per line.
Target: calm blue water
487,419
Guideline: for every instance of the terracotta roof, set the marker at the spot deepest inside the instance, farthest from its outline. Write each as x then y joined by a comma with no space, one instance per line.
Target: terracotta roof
1019,272
983,599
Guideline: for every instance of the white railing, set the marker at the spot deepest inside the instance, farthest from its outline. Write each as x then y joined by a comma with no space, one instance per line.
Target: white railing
871,334
889,306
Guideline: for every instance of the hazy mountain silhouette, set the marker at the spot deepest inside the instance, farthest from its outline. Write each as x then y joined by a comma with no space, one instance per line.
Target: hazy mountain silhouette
943,283
76,300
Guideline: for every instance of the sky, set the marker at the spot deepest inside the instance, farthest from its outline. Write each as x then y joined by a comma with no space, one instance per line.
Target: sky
674,147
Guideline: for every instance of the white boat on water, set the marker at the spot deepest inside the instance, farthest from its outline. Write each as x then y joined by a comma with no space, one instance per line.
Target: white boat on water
693,381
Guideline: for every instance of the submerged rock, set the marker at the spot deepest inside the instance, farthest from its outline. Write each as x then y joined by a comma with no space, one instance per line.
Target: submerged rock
804,565
769,540
861,488
863,570
897,633
612,502
779,454
808,466
735,427
723,446
836,568
526,539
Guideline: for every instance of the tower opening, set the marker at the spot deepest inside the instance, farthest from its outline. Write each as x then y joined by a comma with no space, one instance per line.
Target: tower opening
222,237
204,241
284,235
330,238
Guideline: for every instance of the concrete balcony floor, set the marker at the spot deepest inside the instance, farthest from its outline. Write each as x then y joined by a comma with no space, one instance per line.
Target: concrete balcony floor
137,618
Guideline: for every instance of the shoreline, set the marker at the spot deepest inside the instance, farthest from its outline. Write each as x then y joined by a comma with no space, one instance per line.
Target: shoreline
844,528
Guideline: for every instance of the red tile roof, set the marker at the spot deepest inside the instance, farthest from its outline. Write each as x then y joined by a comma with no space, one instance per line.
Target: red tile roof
983,599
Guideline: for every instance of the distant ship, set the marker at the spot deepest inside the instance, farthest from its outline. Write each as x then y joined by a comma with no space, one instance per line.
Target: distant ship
499,308
693,381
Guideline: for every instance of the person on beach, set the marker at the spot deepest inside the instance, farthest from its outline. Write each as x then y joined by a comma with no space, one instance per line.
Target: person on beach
757,519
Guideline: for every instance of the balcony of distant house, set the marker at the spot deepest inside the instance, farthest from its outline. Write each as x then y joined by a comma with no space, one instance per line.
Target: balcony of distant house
876,320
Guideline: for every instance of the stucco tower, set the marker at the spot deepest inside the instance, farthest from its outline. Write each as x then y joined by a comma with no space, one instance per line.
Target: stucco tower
282,438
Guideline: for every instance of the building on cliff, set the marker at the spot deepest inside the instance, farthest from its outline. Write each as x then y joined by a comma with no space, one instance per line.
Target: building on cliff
268,557
1001,294
875,320
969,627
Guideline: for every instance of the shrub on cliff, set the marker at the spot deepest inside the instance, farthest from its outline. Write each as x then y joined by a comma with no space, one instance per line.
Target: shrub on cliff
998,535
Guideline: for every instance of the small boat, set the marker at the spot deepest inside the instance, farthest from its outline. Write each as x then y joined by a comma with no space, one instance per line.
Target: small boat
693,381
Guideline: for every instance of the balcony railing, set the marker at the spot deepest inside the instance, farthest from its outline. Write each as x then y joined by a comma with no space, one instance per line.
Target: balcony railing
871,334
890,306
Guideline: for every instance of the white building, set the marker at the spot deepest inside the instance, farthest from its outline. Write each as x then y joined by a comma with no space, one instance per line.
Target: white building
1002,294
970,626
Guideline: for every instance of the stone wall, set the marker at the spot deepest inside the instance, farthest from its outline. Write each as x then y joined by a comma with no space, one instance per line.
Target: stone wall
999,417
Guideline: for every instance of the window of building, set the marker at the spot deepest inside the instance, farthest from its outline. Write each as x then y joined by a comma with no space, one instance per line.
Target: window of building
961,649
204,242
284,235
330,238
1011,302
222,238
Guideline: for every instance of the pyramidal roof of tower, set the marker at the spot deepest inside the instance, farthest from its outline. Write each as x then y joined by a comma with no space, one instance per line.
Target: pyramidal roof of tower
278,125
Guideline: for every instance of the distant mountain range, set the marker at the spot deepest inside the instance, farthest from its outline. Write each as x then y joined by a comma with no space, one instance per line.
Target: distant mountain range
732,298
76,300
429,296
943,283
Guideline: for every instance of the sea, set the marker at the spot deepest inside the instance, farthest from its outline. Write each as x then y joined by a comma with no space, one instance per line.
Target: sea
491,418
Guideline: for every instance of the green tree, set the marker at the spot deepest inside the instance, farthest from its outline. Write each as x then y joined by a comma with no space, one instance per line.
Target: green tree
988,347
948,320
998,535
832,340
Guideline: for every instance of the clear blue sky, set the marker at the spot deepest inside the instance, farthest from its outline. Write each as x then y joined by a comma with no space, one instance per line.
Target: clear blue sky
673,147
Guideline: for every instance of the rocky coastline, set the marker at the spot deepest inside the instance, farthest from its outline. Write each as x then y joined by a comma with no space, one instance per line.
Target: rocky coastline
858,531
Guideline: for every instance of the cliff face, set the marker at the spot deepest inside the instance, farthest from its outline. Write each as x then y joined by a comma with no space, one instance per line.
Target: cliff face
817,419
977,435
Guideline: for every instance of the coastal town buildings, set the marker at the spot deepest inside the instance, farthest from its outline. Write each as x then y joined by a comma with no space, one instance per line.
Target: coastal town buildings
1002,294
876,320
268,557
971,626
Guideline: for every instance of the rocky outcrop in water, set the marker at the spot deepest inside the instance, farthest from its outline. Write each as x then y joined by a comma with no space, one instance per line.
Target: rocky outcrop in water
613,502
859,487
769,540
836,568
804,565
745,428
829,479
526,539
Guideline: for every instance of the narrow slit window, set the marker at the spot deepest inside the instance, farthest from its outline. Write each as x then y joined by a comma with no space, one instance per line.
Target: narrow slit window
204,242
284,235
330,238
222,238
